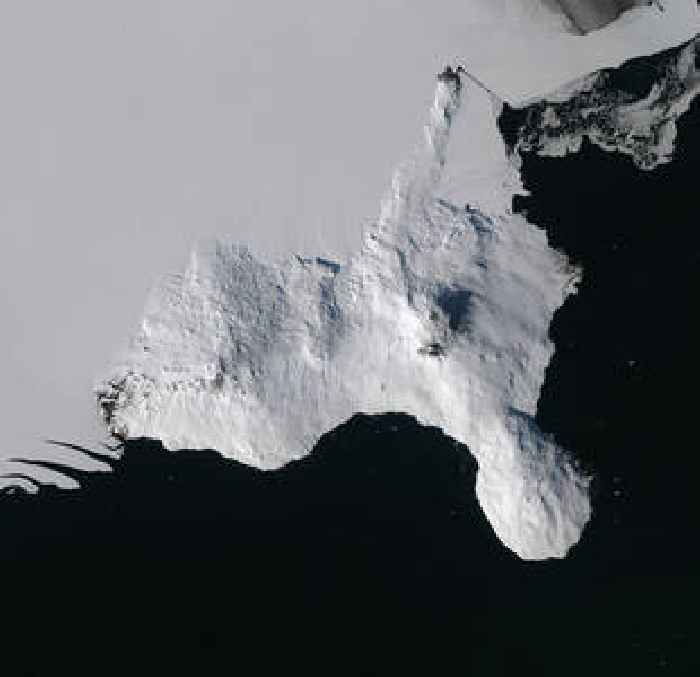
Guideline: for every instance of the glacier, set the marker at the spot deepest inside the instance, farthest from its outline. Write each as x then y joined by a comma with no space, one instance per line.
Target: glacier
442,314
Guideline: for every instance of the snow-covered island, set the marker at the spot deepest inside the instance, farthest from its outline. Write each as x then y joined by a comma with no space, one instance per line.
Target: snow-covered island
443,314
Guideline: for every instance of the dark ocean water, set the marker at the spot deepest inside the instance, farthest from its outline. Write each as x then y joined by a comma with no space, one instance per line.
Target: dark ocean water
372,556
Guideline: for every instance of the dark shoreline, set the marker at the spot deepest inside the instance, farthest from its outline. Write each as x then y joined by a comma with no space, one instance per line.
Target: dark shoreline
372,555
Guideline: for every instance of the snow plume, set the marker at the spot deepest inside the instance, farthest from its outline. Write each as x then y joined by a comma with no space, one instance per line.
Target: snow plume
442,314
631,110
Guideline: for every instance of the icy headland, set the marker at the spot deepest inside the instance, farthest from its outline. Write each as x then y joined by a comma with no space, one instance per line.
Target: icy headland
443,314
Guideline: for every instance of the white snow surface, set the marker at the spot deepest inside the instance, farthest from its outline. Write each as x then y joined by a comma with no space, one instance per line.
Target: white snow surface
442,314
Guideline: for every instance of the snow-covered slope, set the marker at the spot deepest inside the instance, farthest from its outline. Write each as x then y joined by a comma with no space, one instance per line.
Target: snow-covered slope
443,314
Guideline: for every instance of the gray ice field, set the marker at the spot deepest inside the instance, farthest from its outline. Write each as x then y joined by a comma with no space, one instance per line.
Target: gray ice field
589,15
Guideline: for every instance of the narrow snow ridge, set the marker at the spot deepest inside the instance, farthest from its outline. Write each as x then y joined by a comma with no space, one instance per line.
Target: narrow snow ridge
443,314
